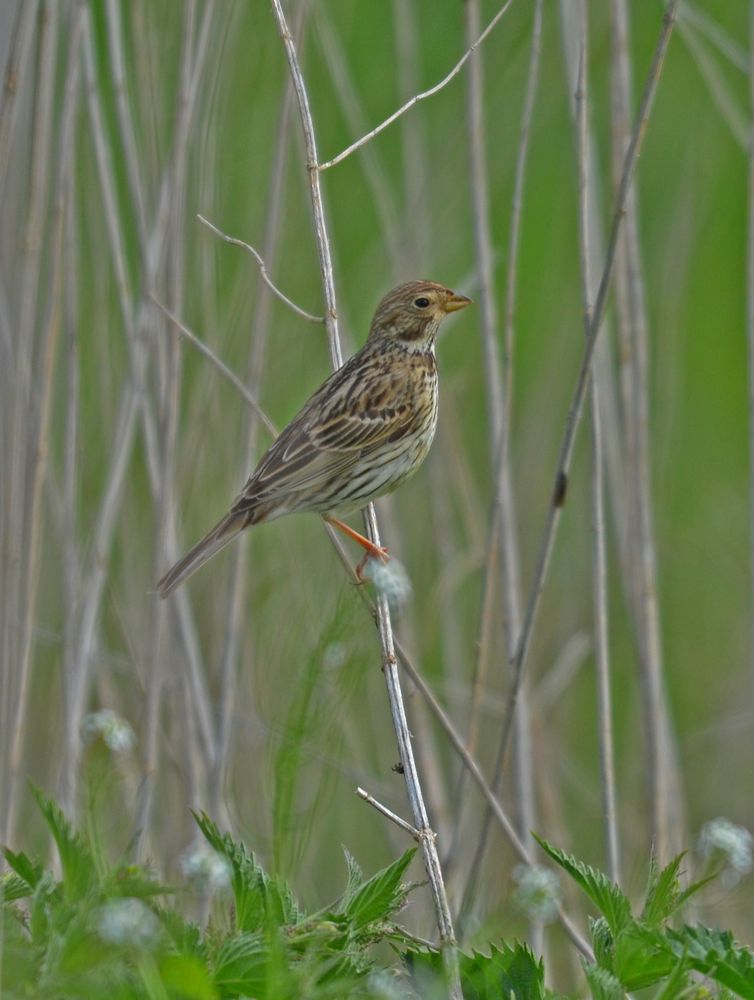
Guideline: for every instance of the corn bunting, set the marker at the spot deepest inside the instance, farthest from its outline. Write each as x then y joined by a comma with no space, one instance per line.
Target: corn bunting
365,431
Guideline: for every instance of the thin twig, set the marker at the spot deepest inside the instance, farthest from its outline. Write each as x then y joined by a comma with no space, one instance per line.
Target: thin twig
417,97
389,661
393,817
574,414
262,270
219,364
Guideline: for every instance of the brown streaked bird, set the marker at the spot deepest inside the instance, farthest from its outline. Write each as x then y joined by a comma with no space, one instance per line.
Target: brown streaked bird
365,431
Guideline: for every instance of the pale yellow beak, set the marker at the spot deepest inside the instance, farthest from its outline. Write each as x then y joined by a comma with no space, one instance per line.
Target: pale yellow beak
454,302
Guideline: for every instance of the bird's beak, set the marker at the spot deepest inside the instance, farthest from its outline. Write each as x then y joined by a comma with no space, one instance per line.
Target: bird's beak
454,302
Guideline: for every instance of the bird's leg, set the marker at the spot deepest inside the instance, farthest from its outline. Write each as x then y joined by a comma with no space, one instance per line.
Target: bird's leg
371,550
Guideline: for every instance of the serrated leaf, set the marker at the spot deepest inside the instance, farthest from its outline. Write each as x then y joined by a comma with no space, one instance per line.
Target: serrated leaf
603,943
508,973
664,894
663,891
259,899
603,984
606,895
77,861
185,935
30,871
13,887
380,895
716,954
512,971
240,966
355,878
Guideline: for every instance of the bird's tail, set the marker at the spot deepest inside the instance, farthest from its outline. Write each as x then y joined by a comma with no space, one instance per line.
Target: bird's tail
218,538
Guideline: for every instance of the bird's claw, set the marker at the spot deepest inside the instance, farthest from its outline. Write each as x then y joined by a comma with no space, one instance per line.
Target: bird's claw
379,552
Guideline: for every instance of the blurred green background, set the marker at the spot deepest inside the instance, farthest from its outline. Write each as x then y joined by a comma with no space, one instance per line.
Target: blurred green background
263,701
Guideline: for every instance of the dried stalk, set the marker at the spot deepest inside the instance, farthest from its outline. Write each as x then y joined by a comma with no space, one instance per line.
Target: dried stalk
32,413
503,530
662,775
599,528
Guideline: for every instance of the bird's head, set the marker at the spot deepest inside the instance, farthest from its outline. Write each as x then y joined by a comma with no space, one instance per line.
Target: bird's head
411,314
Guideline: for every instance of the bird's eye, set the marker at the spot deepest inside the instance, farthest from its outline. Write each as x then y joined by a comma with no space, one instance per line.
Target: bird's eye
421,302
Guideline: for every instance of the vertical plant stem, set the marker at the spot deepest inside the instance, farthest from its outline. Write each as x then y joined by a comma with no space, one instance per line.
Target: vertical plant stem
750,311
389,662
33,424
503,529
17,64
599,534
663,779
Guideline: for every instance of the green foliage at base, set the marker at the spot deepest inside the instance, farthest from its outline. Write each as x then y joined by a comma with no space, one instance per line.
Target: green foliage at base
104,930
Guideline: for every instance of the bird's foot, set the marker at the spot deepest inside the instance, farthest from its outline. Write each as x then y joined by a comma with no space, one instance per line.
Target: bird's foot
376,552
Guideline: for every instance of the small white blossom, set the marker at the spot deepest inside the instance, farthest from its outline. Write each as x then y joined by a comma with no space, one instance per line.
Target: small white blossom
538,894
115,732
128,922
723,841
333,656
391,581
207,871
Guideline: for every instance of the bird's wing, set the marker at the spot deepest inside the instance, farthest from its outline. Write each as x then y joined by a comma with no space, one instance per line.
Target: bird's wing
351,414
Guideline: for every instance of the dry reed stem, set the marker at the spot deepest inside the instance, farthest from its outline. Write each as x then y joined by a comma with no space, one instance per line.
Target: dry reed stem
503,527
750,303
33,404
662,777
599,528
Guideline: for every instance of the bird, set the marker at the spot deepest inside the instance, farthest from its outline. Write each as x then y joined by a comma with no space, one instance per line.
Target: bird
363,433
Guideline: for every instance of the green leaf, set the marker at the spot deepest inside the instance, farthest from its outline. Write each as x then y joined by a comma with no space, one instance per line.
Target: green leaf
259,899
512,971
664,894
30,871
603,943
606,895
676,983
241,966
77,861
13,887
355,878
638,959
187,976
663,891
716,954
381,895
603,984
508,973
